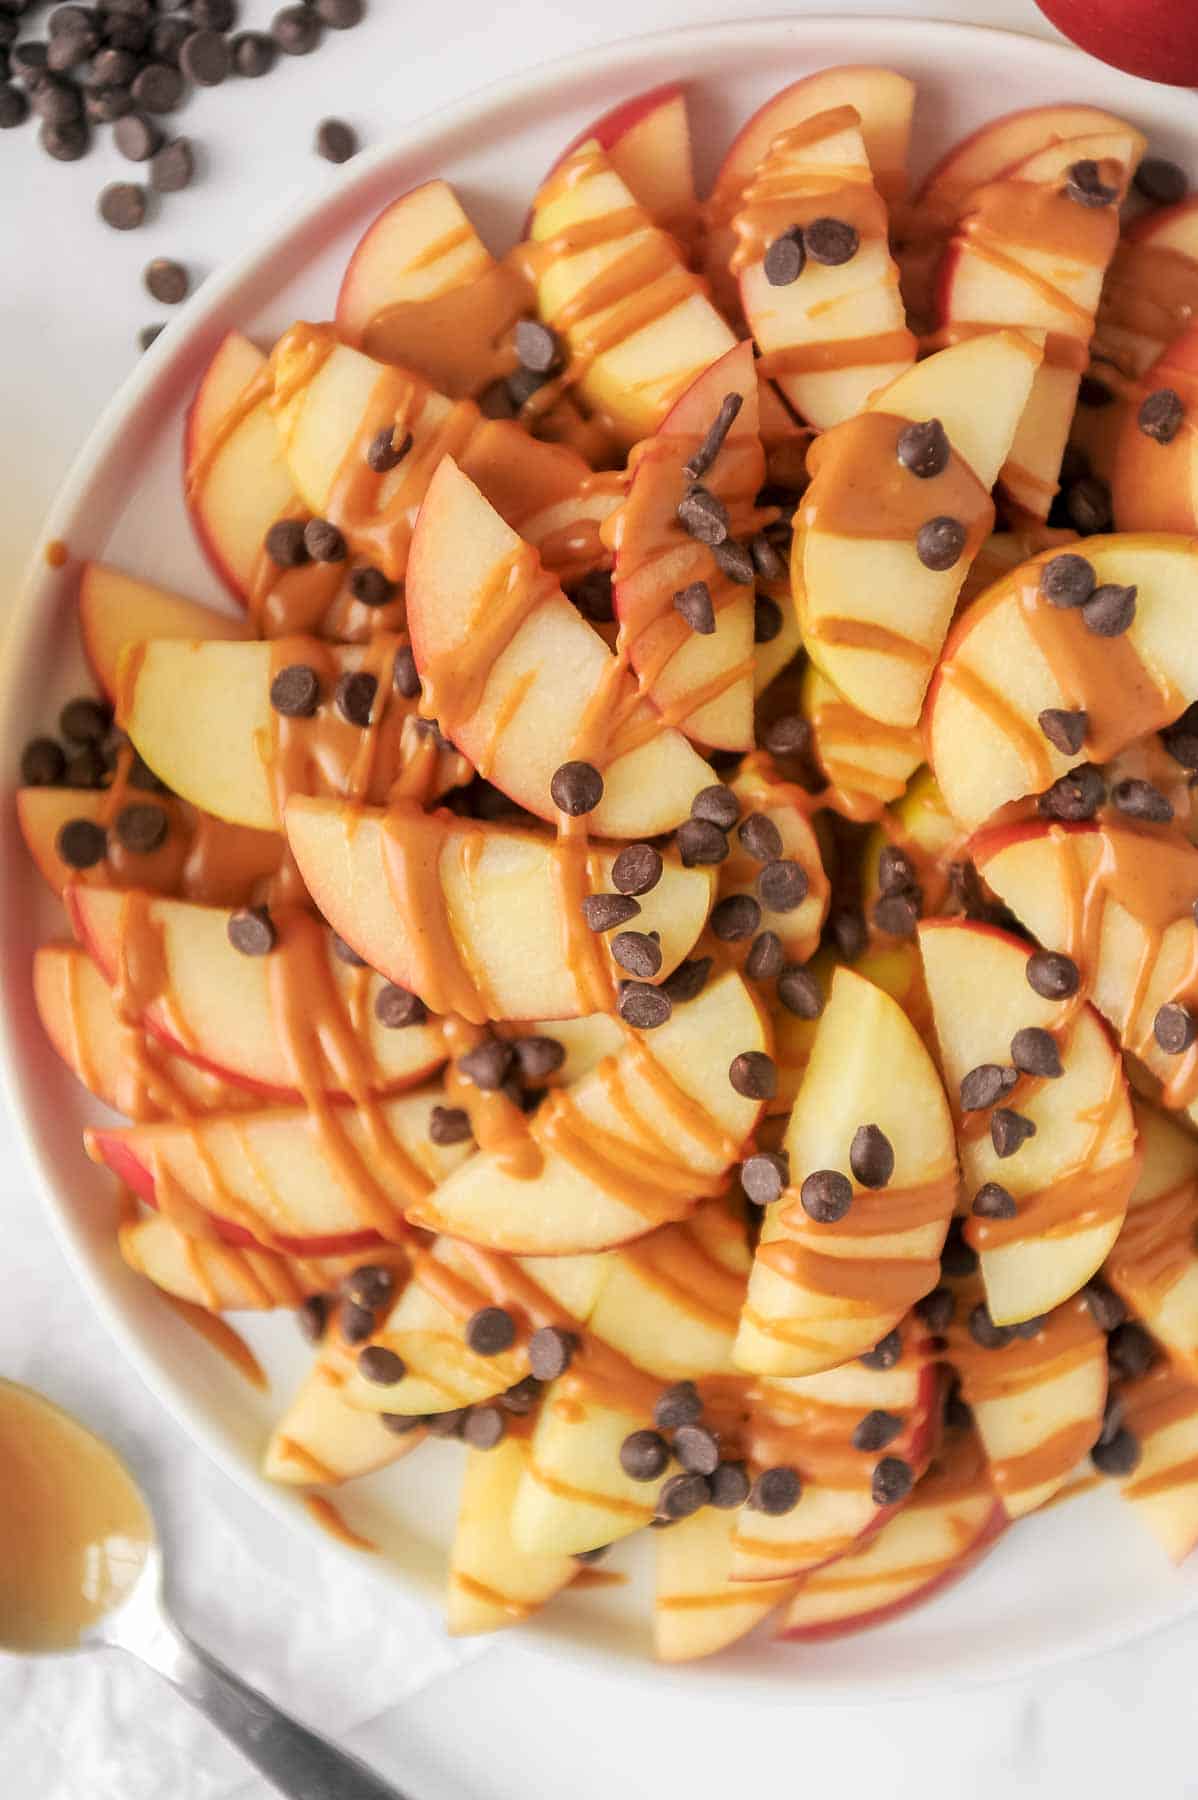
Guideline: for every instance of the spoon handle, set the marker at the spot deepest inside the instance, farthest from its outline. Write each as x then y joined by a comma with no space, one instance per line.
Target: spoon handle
300,1763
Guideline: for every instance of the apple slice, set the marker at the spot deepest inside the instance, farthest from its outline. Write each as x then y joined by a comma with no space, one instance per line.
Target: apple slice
1154,1264
1154,486
174,692
299,1021
1037,1401
837,332
321,1441
493,1581
219,1276
867,763
921,826
1151,289
1070,1180
634,1144
702,681
481,919
883,101
647,141
821,1293
808,1423
519,680
698,1608
763,793
1025,252
1005,550
1119,901
1160,1409
949,1522
116,609
236,481
286,1178
637,323
873,612
997,147
1013,656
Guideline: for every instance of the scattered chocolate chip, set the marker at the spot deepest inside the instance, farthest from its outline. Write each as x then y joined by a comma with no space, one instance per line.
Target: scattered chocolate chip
1181,740
782,885
734,561
957,1258
495,401
896,871
81,843
992,1201
449,1125
766,958
1093,393
1088,505
383,454
1074,796
637,952
1009,1130
826,1196
355,696
1065,731
336,141
924,449
892,1481
141,828
683,1495
789,735
1160,415
253,54
729,1483
43,763
800,992
636,870
1118,1455
490,1331
1110,610
1034,1052
356,1322
897,914
984,1086
381,1366
693,604
703,516
776,1491
644,1007
295,691
538,1056
644,1455
985,1332
396,1009
205,58
484,1427
831,241
939,543
1112,1418
876,1430
1131,1350
936,1309
251,930
754,1074
764,1176
1106,1308
66,142
1084,183
887,1353
767,619
1174,1028
734,918
284,544
447,1424
700,842
550,1351
678,1405
871,1156
1140,800
166,280
1052,975
593,597
85,720
488,1064
340,15
688,980
404,674
713,442
846,925
785,259
697,1449
537,347
370,1284
14,107
523,1398
371,586
172,169
766,559
122,204
576,788
312,1316
87,768
717,805
158,88
324,543
1160,181
603,912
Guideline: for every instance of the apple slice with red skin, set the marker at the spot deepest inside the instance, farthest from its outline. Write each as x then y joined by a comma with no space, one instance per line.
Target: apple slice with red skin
1151,287
285,1178
1154,1264
701,681
648,143
1071,1178
493,1581
249,1019
822,1292
1154,486
235,479
498,930
764,794
637,1142
883,101
1012,655
1160,1409
698,1607
951,1520
807,1423
116,609
219,1276
1120,903
867,763
997,147
320,1441
524,685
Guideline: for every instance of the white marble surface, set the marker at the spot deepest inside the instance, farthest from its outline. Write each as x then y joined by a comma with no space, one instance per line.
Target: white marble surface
488,1722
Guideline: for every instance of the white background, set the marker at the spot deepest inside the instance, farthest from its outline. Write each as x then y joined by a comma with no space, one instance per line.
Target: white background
486,1723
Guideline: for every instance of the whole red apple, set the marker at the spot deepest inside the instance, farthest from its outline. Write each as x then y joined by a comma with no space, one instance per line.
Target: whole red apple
1154,38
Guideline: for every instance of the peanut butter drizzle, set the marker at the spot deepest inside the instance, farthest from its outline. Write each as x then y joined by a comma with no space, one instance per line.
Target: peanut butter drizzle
1153,1403
462,338
1151,290
1156,1246
1006,216
640,1174
413,844
674,1263
322,1509
1067,1339
255,393
498,1125
220,1335
1079,1200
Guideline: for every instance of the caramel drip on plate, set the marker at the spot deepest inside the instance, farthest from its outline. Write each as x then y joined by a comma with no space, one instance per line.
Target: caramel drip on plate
328,1516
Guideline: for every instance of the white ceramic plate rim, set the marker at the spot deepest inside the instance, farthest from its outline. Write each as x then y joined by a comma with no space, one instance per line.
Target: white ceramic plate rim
645,61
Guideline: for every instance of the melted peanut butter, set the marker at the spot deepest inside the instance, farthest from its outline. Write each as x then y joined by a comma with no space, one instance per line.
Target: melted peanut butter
1008,216
1157,1400
462,339
1155,1247
1150,290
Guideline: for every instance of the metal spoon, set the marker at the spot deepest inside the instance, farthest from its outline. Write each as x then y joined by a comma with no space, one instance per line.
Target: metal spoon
81,1568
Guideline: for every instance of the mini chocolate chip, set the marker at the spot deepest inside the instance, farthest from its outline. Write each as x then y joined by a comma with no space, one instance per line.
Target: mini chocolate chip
381,1366
158,88
1084,183
924,449
122,204
734,918
985,1332
776,1491
449,1125
1009,1130
637,952
697,1449
766,958
984,1086
713,441
683,1495
484,1427
703,516
488,1064
43,763
85,720
356,1322
678,1405
717,805
295,691
896,871
846,925
766,559
1181,739
897,914
785,259
1140,800
1161,414
396,1009
371,586
312,1316
383,454
345,952
1052,975
939,543
871,1156
253,53
66,142
729,1483
1160,181
936,1309
340,15
734,561
404,674
538,1056
992,1201
593,597
284,544
764,1176
355,695
1110,610
643,1007
138,139
56,100
1174,1028
876,1430
1106,1308
447,1424
550,1351
1074,796
1088,505
957,1257
637,869
800,992
81,843
892,1481
688,980
1131,1350
1034,1052
826,1196
537,347
754,1074
523,1398
760,837
887,1353
831,241
336,141
251,931
1065,731
323,542
1030,1328
693,604
205,58
490,1331
142,828
172,169
644,1455
166,281
576,788
1118,1455
782,885
87,768
767,619
789,735
14,107
603,912
700,843
495,401
1093,393
1112,1418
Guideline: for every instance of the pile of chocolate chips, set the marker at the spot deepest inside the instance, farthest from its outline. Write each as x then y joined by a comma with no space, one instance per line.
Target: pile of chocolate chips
130,64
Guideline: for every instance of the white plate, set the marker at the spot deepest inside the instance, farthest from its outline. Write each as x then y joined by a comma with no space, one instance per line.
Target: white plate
1077,1579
